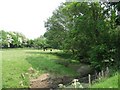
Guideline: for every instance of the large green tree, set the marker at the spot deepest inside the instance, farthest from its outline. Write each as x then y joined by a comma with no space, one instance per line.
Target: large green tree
86,29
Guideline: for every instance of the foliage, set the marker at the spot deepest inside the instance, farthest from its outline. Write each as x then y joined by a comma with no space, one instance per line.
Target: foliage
3,38
18,40
86,29
12,39
40,42
30,43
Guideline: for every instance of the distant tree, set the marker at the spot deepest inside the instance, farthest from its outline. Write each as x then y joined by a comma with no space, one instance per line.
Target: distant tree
30,43
19,40
40,42
12,39
3,38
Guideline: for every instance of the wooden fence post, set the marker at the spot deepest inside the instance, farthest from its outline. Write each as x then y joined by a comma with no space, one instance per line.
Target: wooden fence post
102,73
99,76
96,76
89,78
107,72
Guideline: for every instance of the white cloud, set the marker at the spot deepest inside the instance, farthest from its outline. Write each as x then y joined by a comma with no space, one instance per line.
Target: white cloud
26,16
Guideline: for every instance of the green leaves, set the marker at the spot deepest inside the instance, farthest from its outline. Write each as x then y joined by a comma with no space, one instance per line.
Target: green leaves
85,28
15,39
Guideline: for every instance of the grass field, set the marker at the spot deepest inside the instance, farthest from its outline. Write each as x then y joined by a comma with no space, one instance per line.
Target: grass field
18,61
0,70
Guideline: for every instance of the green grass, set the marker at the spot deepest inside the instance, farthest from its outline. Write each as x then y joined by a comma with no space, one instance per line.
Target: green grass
18,61
111,82
0,70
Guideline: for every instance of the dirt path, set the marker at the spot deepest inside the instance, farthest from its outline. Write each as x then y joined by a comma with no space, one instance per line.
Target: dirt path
40,82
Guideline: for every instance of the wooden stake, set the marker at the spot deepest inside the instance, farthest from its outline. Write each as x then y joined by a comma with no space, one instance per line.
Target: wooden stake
102,73
96,75
89,78
99,76
107,72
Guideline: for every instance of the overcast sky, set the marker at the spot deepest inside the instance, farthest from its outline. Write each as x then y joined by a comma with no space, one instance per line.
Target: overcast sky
26,16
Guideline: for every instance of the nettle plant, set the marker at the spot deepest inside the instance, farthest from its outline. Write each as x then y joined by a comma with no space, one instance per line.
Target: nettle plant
75,84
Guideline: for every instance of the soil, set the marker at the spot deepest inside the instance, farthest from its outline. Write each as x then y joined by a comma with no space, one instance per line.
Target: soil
40,82
49,81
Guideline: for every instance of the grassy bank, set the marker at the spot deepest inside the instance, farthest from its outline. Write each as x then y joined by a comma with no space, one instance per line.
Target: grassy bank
111,82
18,61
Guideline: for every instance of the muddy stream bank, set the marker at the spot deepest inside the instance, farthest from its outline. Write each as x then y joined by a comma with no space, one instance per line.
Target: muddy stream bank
47,80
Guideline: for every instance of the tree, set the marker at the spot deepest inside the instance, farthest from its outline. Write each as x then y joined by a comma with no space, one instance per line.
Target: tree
40,42
3,39
56,33
19,40
85,29
12,39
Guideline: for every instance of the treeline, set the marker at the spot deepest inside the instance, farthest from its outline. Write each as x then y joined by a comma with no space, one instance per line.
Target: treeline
18,40
89,30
